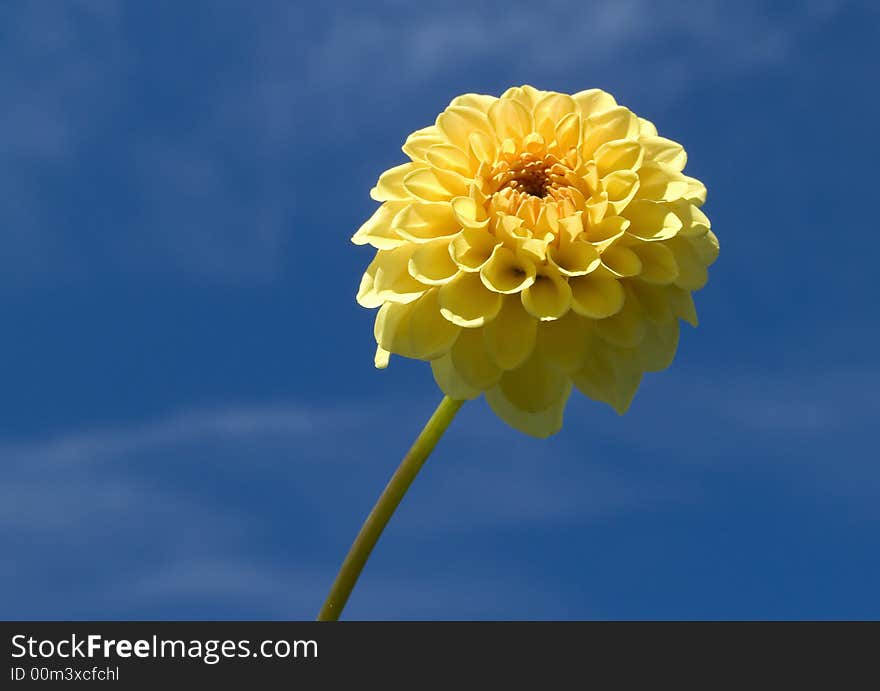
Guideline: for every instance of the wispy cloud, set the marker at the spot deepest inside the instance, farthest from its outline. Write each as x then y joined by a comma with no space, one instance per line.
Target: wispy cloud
242,510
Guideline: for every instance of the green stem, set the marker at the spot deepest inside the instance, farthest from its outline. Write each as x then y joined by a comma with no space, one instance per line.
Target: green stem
383,510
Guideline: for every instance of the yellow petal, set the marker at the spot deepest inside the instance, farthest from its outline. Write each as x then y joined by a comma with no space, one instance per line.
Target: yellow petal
692,274
450,381
425,221
706,246
657,349
664,150
620,186
563,343
472,248
621,261
507,272
510,337
540,424
549,297
430,334
625,329
652,220
482,146
431,264
616,123
418,143
597,206
693,220
457,123
682,304
449,157
574,258
533,386
425,184
510,119
525,94
658,262
654,300
622,154
472,361
660,182
571,227
390,185
377,230
594,102
466,301
647,128
610,375
596,297
480,102
554,106
568,132
387,279
391,328
468,213
380,360
696,191
603,233
549,111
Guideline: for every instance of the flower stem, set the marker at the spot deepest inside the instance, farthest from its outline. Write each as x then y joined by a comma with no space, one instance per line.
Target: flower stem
383,510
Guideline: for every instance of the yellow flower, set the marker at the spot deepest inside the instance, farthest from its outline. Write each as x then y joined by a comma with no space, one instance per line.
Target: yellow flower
534,242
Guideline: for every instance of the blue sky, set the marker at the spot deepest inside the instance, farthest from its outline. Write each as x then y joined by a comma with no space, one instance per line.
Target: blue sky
190,423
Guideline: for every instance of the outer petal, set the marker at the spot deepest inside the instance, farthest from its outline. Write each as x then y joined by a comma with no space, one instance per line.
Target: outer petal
626,328
682,304
658,262
616,123
391,328
692,274
622,154
610,376
424,221
596,297
472,361
387,279
450,381
377,230
621,186
594,102
426,184
466,301
510,337
414,330
534,385
664,150
510,119
651,220
563,343
657,349
430,334
457,122
541,424
431,264
390,185
418,143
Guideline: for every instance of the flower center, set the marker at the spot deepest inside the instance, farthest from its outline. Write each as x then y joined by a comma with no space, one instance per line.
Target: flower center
531,179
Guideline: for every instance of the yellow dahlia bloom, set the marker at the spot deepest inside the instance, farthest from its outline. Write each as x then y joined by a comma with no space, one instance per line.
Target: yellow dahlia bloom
534,242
